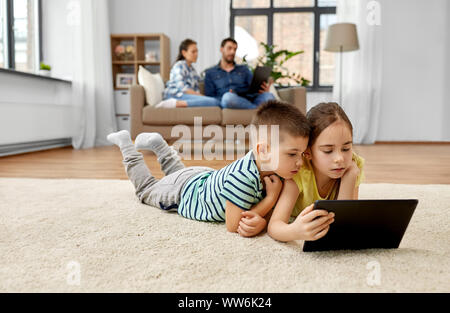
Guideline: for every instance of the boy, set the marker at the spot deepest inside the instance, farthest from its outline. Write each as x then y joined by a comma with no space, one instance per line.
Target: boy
228,194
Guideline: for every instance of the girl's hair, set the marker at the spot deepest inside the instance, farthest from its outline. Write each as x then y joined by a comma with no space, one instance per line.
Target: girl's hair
323,115
184,46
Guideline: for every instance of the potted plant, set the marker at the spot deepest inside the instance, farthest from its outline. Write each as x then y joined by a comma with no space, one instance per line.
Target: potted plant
275,60
45,69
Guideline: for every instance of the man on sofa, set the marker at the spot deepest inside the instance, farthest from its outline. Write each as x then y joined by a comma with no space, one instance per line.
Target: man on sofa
228,81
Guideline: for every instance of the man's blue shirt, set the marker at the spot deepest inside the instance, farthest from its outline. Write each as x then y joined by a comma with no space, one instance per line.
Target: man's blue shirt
219,81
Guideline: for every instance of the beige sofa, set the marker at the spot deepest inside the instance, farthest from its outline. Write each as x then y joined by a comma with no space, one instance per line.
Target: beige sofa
149,119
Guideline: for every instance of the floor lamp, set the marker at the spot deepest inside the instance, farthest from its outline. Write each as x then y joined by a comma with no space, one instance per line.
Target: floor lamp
341,37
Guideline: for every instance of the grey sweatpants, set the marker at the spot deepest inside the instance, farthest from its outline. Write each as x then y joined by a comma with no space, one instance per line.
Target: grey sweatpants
166,192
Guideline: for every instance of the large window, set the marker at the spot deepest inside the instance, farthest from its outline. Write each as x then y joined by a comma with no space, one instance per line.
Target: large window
20,35
3,33
288,24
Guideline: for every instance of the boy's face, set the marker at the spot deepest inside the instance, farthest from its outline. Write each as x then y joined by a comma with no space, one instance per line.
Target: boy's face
286,157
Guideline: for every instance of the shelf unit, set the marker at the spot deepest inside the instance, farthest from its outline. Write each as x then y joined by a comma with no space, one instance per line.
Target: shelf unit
142,44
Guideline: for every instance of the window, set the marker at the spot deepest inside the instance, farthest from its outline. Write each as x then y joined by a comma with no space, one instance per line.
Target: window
3,44
20,35
289,24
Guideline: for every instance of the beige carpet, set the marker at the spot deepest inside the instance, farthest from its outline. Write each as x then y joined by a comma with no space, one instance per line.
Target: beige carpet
93,235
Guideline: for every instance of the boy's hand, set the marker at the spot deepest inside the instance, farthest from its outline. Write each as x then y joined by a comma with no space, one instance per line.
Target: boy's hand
273,186
251,224
313,224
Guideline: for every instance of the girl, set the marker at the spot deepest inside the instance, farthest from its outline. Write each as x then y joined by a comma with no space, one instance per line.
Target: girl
331,170
182,89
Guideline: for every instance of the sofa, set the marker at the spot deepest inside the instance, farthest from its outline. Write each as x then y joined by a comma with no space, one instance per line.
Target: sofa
145,118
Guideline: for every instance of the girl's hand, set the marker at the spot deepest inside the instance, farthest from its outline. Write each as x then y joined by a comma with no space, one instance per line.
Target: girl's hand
312,224
352,170
273,186
251,224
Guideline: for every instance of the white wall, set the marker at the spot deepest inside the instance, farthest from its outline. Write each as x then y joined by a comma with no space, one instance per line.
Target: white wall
204,21
415,94
446,82
415,76
34,109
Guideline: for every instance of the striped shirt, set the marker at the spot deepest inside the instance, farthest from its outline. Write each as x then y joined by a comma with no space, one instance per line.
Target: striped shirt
204,195
182,77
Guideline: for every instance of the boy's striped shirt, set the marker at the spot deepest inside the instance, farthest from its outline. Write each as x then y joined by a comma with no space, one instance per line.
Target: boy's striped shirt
204,195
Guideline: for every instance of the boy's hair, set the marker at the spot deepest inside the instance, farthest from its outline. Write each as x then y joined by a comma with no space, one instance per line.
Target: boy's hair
229,39
323,115
289,118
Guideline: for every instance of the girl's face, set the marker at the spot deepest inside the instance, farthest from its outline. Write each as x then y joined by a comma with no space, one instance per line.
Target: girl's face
331,154
191,53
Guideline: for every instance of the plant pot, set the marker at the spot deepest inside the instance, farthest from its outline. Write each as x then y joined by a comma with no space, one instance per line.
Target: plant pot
45,73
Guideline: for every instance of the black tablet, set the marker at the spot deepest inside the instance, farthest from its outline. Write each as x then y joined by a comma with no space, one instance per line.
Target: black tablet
364,224
261,74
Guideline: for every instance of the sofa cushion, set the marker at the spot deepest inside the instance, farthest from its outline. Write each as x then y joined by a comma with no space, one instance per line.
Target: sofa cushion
153,86
185,116
237,117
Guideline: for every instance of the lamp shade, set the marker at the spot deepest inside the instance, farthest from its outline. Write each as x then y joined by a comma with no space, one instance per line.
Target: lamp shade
342,37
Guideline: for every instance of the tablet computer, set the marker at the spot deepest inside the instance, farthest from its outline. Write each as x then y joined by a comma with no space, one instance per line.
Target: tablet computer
261,74
364,224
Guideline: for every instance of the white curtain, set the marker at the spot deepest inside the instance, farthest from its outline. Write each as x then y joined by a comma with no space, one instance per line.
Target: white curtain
361,85
205,21
93,96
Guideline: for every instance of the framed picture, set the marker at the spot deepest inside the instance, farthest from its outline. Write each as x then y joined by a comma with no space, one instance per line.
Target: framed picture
124,80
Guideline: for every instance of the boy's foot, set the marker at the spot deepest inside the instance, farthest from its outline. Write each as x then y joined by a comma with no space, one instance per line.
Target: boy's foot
121,138
151,141
167,155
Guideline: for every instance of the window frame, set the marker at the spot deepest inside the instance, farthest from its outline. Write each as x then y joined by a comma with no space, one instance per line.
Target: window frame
9,24
270,11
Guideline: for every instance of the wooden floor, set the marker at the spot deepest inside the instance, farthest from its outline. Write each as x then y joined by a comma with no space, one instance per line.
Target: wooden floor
385,163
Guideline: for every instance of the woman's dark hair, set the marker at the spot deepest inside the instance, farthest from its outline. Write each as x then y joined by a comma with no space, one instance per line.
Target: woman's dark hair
323,115
184,46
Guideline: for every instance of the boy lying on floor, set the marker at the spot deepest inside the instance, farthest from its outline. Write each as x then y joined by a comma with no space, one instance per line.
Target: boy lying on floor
243,192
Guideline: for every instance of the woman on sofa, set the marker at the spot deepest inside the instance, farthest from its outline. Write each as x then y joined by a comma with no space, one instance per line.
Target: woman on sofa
182,90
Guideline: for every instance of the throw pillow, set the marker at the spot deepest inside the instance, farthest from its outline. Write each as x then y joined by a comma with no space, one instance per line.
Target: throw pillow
153,86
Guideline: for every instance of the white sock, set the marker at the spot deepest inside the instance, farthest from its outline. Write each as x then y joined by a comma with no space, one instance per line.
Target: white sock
121,138
151,141
168,104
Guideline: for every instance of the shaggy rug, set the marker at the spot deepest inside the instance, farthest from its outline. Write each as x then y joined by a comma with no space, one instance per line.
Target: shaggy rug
80,235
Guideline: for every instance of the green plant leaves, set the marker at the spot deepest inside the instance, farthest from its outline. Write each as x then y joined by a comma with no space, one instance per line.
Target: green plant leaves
275,60
44,66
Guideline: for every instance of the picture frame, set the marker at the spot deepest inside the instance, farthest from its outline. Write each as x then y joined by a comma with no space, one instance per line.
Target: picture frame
125,80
